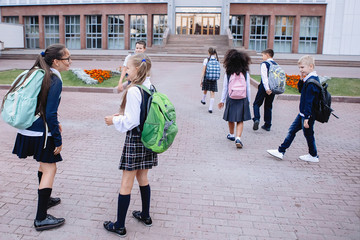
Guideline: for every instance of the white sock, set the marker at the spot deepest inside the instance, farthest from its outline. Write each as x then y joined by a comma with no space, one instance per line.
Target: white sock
237,138
204,97
231,135
211,103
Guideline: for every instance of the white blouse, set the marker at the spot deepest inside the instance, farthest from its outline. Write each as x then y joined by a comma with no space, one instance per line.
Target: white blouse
131,117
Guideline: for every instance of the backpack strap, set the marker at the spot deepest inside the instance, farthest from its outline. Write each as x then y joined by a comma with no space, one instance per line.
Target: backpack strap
145,105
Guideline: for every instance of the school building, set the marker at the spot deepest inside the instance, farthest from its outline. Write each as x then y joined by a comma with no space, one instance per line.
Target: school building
287,26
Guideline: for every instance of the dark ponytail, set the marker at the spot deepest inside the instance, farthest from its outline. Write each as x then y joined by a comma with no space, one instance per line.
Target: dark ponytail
212,51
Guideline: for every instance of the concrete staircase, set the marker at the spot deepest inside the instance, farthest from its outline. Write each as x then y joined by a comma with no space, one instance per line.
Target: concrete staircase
192,44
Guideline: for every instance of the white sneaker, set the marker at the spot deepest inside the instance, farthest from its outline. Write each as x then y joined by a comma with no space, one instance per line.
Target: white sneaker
309,158
276,153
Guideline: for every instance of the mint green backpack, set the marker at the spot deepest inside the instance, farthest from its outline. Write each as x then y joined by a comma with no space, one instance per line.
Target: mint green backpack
160,127
19,106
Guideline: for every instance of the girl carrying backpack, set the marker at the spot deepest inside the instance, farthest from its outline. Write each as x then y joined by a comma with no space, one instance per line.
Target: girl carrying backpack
42,139
210,75
136,160
236,93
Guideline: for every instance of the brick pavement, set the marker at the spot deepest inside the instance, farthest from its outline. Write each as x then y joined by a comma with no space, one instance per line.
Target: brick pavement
203,188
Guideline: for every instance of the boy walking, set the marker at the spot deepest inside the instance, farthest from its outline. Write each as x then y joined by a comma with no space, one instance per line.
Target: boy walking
264,92
305,119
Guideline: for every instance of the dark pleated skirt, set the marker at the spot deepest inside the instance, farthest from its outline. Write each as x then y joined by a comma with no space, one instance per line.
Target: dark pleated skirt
237,110
135,156
209,86
26,146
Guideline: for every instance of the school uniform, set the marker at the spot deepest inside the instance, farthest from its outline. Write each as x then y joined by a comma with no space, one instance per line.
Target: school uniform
33,141
236,110
209,85
308,99
135,156
262,96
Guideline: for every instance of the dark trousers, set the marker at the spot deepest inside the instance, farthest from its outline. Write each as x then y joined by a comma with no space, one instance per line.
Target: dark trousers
259,99
296,126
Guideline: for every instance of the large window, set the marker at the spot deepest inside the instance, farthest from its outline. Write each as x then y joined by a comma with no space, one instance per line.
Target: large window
309,32
138,29
11,19
160,24
51,30
258,33
93,31
31,25
72,32
116,32
236,25
283,34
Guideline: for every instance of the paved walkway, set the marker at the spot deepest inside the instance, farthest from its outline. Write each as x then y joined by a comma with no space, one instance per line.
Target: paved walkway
203,188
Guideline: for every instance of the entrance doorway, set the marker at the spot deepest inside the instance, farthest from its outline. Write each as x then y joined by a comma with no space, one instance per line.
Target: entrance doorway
197,24
208,26
187,25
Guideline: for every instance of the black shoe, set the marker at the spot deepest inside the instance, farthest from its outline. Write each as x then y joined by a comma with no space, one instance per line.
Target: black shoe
230,138
53,202
265,128
210,111
48,223
256,125
146,221
203,102
110,226
238,143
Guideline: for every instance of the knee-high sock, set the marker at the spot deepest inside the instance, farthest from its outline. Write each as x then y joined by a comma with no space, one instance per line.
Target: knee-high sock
43,199
123,205
211,103
39,176
145,200
204,98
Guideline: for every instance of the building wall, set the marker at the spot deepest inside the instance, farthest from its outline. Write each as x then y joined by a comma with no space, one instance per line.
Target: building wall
273,10
84,10
14,37
342,35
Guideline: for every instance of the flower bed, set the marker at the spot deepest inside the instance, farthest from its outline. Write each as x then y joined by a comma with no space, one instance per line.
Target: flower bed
98,74
292,80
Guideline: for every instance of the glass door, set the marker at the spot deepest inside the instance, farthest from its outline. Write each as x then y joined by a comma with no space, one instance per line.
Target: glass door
208,26
187,25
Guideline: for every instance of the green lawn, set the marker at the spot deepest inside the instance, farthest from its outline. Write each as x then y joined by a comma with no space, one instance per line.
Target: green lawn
69,79
337,86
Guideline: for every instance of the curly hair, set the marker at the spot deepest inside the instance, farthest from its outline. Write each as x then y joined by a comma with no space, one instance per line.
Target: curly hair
236,62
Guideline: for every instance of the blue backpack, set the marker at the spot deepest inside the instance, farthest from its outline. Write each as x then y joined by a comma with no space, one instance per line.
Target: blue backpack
212,72
19,105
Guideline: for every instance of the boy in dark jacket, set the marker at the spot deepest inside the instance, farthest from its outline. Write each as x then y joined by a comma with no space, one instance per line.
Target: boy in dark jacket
305,119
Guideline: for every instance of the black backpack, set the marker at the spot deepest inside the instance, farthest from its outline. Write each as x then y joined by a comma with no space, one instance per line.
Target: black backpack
323,110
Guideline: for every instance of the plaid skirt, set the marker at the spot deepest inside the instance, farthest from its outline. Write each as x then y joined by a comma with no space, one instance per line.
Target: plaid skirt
135,156
209,86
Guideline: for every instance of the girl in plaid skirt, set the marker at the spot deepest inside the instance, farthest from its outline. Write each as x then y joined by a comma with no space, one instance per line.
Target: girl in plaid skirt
208,85
136,160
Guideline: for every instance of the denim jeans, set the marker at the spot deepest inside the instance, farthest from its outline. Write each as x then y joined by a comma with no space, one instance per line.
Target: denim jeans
259,99
296,126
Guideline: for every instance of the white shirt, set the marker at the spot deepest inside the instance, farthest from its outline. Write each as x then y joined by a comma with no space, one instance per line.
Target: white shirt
206,60
264,74
225,88
313,73
131,117
126,60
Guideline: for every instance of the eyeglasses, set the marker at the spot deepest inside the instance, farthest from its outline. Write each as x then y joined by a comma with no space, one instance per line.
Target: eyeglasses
68,58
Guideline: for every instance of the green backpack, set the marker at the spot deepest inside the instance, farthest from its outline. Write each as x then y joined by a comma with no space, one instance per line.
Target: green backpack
160,127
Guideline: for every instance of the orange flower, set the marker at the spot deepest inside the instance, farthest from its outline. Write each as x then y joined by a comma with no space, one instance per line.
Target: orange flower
292,80
98,74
